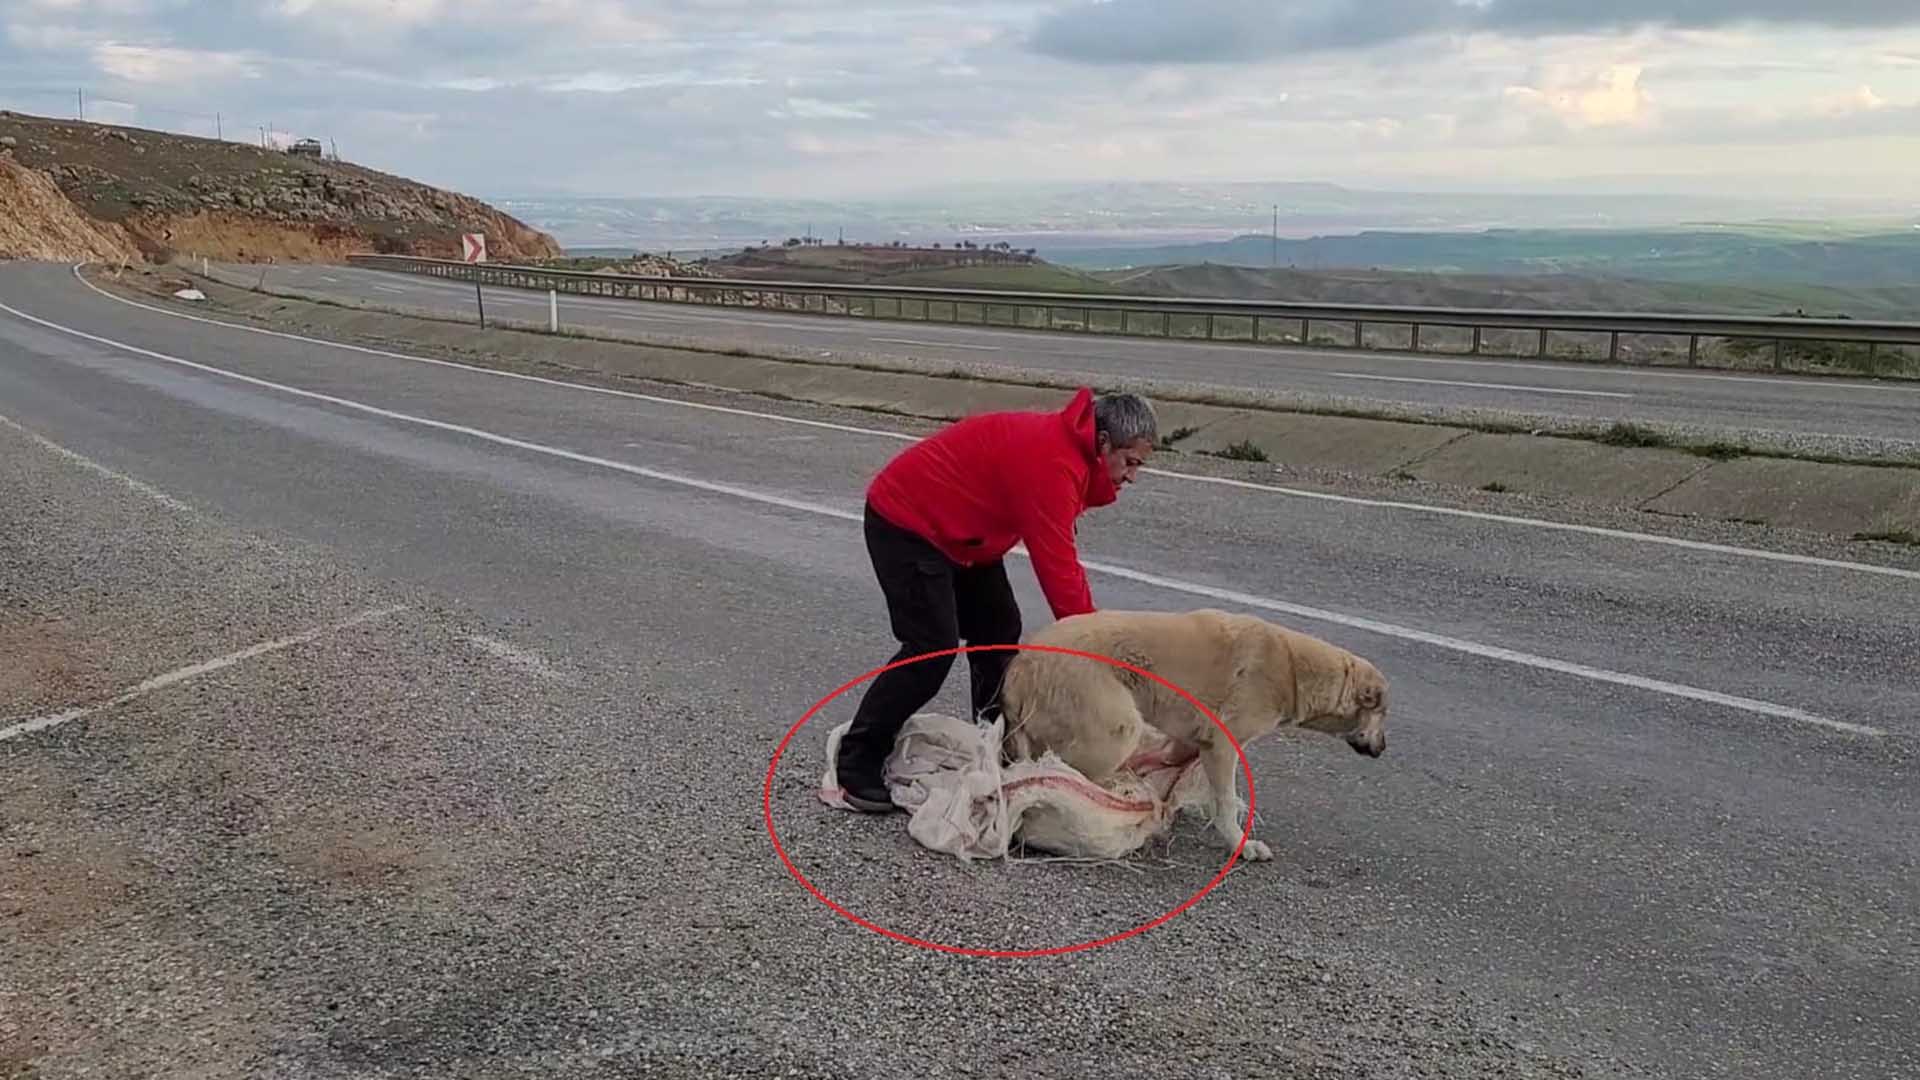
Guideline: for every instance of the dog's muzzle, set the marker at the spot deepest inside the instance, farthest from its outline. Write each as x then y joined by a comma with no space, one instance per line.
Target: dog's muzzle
1372,746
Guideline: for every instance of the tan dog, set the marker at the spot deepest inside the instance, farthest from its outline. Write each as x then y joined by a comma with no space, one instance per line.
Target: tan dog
1255,676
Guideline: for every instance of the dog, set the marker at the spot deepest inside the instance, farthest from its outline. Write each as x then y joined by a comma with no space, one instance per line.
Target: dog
1256,676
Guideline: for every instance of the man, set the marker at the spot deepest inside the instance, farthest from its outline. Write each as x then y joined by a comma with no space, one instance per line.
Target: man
940,519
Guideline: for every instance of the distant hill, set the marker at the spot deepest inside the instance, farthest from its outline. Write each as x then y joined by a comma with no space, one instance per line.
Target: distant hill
944,267
950,268
163,193
1743,255
1536,291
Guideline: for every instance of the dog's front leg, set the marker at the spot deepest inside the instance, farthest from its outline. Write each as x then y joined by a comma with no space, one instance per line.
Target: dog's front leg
1220,760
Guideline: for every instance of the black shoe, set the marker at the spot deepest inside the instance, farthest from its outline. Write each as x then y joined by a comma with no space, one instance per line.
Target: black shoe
870,799
863,786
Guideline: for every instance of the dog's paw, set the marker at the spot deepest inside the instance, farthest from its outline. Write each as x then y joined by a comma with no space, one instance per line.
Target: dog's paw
1256,851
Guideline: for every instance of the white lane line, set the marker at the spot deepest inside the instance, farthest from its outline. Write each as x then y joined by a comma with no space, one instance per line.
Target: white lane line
391,289
935,344
513,656
543,380
1244,485
756,323
191,671
84,461
1809,382
1495,652
1475,385
1544,663
330,280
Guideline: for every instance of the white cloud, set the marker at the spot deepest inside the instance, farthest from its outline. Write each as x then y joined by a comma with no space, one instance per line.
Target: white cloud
1861,99
361,13
1611,97
780,96
815,109
159,64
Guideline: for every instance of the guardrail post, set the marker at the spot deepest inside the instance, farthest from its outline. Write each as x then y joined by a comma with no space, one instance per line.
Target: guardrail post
1693,350
1476,341
1613,347
1542,354
1873,358
1776,354
1415,340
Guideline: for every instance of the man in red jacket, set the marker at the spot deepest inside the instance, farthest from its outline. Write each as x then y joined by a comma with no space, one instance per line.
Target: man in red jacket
940,519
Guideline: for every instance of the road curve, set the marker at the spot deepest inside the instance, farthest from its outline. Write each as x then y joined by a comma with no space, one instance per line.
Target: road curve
1735,402
1701,868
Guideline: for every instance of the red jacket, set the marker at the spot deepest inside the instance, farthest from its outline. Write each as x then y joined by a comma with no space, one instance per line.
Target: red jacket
986,483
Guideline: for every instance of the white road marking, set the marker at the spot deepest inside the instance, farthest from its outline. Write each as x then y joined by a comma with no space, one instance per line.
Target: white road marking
330,280
513,655
1475,385
390,288
192,671
1247,485
935,344
1494,652
663,317
84,461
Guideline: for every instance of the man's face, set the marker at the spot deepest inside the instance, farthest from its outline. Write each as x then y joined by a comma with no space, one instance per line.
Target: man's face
1124,462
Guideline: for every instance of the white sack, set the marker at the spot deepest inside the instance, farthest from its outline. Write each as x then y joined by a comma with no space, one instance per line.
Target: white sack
946,773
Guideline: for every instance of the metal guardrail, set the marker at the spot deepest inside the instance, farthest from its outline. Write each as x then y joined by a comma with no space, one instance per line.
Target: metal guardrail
1812,345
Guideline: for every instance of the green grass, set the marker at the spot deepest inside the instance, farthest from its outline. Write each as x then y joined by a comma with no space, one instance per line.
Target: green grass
1044,278
1623,433
1244,450
1167,441
1717,451
1898,536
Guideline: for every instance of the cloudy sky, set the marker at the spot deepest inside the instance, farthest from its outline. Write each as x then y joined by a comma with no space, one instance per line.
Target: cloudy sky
861,97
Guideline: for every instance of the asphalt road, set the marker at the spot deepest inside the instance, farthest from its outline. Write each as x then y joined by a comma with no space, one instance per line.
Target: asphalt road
1735,402
516,828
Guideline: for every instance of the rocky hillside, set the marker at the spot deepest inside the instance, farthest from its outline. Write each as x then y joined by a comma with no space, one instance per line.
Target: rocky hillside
38,222
171,194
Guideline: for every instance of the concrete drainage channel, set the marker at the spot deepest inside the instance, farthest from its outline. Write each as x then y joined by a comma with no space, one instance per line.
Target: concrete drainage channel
1686,474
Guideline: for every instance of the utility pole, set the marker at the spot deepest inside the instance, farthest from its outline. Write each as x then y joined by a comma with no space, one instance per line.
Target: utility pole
81,97
219,130
1276,236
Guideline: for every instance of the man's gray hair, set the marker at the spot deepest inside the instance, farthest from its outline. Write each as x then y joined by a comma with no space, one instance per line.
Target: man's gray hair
1124,418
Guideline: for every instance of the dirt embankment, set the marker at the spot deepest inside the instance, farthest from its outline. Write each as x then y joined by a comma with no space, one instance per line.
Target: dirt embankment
38,222
167,194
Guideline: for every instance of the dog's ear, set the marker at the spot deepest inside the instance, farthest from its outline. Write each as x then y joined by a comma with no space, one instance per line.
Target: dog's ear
1368,696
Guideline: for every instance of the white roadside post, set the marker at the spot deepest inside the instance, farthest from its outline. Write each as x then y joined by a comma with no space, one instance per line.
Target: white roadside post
553,311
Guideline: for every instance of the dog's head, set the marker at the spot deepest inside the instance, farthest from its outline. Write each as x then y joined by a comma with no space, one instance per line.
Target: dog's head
1351,703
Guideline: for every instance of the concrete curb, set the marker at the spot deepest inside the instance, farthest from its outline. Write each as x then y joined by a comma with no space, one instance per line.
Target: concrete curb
1847,500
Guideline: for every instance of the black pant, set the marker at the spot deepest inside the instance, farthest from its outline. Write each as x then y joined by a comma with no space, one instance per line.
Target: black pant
933,603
